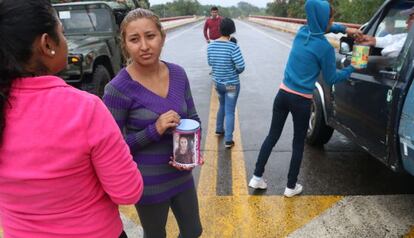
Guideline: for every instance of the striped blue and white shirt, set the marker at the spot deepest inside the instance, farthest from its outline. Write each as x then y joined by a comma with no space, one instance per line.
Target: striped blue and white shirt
226,60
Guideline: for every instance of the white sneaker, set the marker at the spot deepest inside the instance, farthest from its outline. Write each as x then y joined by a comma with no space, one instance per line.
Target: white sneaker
257,183
292,192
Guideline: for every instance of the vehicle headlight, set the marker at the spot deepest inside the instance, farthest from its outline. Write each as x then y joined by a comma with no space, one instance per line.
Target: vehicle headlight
75,59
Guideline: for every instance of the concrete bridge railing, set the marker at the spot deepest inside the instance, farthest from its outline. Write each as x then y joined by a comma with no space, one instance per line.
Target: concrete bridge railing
169,23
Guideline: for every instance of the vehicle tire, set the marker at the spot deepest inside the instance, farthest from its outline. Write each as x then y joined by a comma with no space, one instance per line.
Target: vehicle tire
318,132
97,81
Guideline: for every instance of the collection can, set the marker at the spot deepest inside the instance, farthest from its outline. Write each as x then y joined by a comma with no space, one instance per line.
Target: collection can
360,55
186,141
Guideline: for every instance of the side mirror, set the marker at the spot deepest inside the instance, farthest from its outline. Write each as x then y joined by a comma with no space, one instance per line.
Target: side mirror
344,48
345,45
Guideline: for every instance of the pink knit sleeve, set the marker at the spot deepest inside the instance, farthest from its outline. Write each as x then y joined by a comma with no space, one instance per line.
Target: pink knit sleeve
111,158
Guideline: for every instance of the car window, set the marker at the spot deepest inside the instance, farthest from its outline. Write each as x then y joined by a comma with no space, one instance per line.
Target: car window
394,22
85,20
408,46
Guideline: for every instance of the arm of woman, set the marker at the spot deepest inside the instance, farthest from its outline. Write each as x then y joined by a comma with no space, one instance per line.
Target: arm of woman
238,59
328,66
119,106
111,158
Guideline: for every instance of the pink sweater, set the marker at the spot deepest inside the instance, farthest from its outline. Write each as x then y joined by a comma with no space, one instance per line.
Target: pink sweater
64,165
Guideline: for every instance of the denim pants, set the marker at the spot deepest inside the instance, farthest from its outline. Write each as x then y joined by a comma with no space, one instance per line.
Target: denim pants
227,95
300,108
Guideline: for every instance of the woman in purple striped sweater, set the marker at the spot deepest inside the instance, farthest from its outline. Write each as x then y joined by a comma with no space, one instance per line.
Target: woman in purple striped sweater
147,99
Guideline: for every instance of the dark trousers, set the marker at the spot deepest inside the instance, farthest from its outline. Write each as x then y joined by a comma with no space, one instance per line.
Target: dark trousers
185,209
299,107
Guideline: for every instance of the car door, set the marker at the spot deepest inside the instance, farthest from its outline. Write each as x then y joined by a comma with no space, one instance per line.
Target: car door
406,123
362,104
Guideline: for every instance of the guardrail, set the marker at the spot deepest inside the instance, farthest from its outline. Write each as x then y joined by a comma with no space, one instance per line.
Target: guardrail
299,20
175,18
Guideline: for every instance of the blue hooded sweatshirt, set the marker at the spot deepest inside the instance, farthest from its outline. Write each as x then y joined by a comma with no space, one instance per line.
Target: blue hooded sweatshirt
312,53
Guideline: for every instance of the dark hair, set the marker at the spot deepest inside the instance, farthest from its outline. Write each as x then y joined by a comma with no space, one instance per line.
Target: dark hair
227,27
21,22
233,39
214,9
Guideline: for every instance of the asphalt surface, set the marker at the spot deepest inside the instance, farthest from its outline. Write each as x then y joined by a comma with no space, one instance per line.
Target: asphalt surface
347,193
339,170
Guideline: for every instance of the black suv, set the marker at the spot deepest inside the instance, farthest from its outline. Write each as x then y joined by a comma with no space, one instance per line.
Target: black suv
92,32
375,107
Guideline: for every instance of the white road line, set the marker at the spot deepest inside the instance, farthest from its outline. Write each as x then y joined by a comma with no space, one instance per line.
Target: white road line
267,35
183,32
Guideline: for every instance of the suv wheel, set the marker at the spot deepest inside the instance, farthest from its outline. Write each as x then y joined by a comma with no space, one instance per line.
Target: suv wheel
318,132
99,78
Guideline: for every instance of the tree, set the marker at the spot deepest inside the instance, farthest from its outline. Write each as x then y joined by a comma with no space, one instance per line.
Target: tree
357,11
296,9
247,8
277,8
352,11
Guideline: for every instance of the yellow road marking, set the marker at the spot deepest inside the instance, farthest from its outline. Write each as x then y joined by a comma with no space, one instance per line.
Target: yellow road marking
208,174
237,162
242,215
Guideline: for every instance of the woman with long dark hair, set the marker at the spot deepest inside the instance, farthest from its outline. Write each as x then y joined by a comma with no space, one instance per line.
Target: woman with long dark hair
64,166
147,98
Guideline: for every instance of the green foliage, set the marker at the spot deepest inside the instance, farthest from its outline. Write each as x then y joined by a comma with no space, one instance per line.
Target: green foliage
277,8
296,9
357,11
177,8
352,11
192,7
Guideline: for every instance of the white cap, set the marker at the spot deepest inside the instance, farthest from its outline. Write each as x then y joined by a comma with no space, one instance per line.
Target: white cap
407,12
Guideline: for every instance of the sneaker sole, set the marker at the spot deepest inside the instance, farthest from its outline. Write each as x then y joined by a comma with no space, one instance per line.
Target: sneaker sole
289,196
228,146
258,187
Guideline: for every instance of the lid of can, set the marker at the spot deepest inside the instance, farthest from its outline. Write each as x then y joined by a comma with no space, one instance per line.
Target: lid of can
188,125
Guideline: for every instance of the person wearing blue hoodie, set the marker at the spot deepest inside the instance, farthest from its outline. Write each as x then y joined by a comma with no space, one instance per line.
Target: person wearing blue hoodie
311,54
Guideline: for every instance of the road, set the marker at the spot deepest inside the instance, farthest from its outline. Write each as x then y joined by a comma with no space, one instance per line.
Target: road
347,193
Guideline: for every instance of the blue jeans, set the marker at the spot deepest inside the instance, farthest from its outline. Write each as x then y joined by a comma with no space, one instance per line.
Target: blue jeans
300,108
227,95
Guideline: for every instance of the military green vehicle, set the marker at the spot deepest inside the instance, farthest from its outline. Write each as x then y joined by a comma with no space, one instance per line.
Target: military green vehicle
92,32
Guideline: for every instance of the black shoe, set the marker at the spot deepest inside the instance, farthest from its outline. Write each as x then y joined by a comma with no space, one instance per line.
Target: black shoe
229,144
219,133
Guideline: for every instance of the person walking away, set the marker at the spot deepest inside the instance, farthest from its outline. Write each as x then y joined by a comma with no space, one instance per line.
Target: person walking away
64,166
212,25
226,59
311,54
147,99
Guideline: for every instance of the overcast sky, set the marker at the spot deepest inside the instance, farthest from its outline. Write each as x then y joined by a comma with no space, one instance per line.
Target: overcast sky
224,3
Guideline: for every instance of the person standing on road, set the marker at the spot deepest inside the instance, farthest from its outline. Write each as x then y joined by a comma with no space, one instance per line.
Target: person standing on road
64,166
311,54
226,59
147,99
212,25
